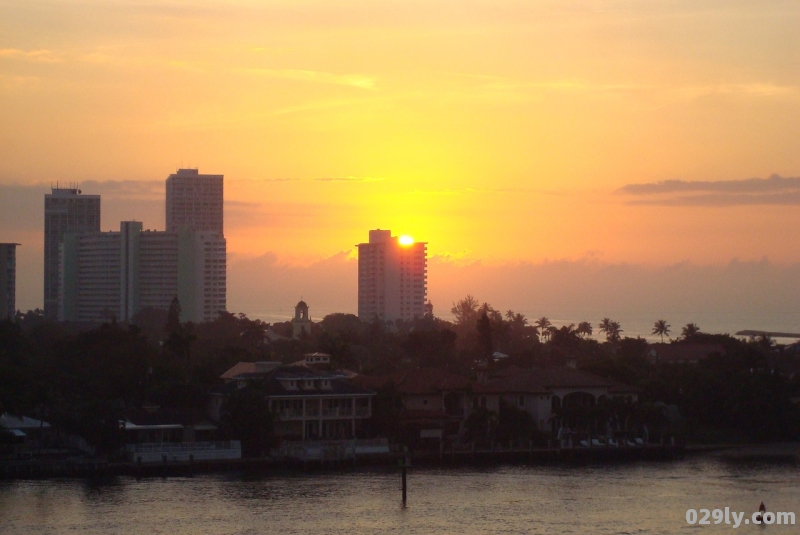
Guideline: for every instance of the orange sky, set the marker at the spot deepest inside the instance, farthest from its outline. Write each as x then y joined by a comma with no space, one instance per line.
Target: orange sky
499,131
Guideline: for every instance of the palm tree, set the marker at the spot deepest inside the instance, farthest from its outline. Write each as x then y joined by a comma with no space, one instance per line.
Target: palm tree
543,324
605,326
689,330
584,328
614,332
661,327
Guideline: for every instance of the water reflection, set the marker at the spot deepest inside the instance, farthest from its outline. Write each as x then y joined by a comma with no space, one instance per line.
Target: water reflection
636,498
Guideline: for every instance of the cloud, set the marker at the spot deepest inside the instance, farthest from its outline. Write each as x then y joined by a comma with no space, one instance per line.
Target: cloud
774,190
43,56
327,179
349,179
354,80
22,205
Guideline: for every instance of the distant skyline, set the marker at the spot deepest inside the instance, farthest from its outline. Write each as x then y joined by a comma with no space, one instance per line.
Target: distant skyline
653,137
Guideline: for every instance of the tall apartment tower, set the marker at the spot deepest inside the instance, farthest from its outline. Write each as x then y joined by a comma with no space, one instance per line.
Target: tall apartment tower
8,280
195,212
194,201
392,278
66,210
107,275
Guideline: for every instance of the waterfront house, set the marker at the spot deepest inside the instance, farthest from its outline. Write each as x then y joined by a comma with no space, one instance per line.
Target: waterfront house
681,353
546,393
431,404
307,399
24,434
153,434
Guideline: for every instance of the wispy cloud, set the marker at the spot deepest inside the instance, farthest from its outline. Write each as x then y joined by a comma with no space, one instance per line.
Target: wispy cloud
42,55
354,80
327,179
774,190
751,89
349,179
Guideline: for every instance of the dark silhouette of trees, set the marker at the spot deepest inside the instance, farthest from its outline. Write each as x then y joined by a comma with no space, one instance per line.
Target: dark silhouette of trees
465,311
689,331
485,344
432,349
245,416
661,328
584,329
543,324
605,326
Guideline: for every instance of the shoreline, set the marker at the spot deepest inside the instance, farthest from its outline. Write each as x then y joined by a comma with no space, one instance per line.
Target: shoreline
787,452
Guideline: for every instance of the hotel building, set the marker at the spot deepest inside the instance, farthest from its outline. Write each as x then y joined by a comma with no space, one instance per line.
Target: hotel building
66,210
392,278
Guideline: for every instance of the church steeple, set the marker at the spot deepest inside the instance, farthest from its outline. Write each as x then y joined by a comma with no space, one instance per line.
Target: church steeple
301,322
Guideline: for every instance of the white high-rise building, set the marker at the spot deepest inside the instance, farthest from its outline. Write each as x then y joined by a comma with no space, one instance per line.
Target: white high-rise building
8,280
116,274
201,275
194,201
65,210
195,211
89,281
392,278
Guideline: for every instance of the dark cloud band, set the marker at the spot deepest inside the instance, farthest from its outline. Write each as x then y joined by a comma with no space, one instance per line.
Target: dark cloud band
774,190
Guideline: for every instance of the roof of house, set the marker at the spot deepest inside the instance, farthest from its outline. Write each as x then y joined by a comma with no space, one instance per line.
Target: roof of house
238,369
258,368
151,417
418,381
543,380
15,422
275,375
338,387
680,352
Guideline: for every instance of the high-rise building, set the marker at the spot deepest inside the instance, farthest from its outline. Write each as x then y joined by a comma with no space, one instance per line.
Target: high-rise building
195,211
8,280
116,274
66,210
392,277
201,275
107,275
194,201
89,277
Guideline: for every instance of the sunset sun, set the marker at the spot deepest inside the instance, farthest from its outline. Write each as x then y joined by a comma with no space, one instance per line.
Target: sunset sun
405,240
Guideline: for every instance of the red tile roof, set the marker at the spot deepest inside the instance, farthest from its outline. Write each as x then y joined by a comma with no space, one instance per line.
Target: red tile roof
682,353
239,368
541,380
419,381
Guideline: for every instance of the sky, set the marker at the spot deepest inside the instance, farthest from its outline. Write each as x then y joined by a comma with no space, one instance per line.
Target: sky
523,140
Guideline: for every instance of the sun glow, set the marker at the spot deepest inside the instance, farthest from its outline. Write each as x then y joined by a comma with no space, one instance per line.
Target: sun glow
405,240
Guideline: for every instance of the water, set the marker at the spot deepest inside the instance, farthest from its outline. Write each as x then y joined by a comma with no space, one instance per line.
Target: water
640,498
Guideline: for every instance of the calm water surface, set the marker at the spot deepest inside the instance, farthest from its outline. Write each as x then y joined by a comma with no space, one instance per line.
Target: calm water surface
641,498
